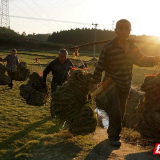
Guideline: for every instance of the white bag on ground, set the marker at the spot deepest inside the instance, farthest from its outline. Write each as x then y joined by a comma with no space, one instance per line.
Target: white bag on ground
103,116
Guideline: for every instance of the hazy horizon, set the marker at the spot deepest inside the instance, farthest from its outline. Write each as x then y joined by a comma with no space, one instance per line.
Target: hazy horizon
43,17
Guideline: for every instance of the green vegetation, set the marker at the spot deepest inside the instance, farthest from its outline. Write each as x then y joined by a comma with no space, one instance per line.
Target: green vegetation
85,35
38,37
7,31
26,130
67,39
29,131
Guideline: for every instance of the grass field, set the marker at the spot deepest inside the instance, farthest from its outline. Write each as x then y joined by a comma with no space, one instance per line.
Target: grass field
30,132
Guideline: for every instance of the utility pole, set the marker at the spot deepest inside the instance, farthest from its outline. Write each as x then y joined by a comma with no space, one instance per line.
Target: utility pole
4,12
95,25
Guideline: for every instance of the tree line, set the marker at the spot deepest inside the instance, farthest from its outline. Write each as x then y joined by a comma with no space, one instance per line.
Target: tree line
68,38
85,35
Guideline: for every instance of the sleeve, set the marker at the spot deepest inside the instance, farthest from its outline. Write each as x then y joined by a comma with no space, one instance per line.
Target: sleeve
5,59
100,67
142,60
71,64
46,72
17,63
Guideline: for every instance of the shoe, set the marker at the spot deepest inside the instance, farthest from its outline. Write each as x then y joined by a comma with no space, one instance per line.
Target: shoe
116,143
11,86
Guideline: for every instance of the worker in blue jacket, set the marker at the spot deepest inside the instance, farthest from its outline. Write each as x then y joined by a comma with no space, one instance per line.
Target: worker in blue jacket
60,70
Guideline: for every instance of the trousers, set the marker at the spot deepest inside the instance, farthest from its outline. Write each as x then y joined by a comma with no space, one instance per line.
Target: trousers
12,77
53,87
116,109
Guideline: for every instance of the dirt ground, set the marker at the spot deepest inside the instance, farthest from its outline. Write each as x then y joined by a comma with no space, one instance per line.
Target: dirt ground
104,151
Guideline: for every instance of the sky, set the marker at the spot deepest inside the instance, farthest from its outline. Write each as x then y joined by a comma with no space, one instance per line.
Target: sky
48,16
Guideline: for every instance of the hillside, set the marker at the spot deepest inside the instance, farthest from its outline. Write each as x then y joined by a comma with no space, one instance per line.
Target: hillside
66,39
85,35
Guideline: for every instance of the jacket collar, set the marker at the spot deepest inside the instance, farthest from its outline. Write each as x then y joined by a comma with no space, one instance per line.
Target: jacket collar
57,60
116,44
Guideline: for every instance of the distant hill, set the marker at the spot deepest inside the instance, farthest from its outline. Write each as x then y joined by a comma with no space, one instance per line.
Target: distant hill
85,35
10,39
68,38
39,37
8,31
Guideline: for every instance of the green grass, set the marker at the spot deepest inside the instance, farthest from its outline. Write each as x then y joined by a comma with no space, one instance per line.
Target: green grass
130,135
21,123
25,130
28,132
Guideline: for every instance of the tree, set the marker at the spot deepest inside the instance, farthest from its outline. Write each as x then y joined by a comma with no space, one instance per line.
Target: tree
24,34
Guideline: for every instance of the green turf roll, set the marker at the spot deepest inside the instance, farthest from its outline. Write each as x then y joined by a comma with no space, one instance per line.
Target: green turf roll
70,103
33,92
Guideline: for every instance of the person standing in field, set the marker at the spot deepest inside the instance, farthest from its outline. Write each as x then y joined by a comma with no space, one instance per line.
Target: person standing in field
60,70
12,65
117,59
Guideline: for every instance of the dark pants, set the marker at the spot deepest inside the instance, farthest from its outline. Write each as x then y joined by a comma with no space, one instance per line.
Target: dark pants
116,110
53,86
12,77
53,89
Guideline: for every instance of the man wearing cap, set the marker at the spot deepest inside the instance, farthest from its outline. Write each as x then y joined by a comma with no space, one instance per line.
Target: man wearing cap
60,70
12,65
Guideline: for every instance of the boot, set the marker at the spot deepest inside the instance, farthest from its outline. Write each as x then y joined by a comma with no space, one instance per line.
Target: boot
10,85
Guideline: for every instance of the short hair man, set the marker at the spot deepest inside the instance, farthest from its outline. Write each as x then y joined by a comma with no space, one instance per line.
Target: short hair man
12,65
117,59
60,69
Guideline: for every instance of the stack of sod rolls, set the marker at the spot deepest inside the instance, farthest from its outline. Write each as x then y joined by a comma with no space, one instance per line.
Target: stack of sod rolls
70,103
23,72
134,108
151,106
33,92
4,79
143,108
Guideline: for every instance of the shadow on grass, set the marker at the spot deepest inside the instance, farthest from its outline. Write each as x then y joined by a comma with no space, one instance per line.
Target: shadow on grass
143,155
101,151
59,151
6,143
44,151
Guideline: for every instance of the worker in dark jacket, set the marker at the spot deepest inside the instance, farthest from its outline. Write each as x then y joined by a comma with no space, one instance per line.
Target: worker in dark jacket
60,70
12,65
116,60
